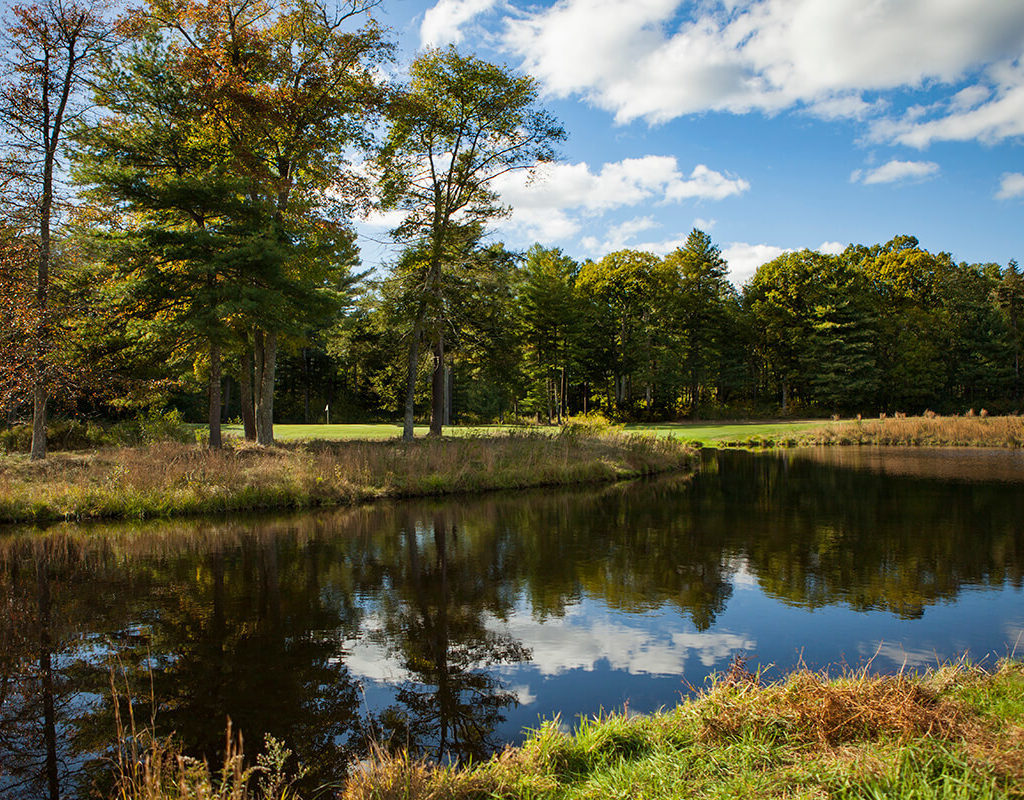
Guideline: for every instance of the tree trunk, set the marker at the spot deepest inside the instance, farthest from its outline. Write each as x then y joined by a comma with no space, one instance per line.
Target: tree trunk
46,678
266,362
226,404
410,379
215,439
39,398
38,420
245,396
305,385
437,386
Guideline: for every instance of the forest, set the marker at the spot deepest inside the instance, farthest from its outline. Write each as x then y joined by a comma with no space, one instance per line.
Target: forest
181,187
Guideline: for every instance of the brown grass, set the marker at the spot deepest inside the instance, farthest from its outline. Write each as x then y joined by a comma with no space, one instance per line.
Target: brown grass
169,478
811,708
928,431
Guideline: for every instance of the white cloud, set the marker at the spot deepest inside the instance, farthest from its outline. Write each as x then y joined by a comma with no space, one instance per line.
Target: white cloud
894,171
1011,185
989,113
664,247
549,206
383,219
442,24
706,184
704,224
744,259
618,236
831,248
582,639
660,59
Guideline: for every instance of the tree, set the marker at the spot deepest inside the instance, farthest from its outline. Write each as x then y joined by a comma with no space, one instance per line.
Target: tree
290,89
550,323
634,289
51,50
1009,297
460,124
704,291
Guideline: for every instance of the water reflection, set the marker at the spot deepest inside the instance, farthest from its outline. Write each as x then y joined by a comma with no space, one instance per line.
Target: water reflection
446,627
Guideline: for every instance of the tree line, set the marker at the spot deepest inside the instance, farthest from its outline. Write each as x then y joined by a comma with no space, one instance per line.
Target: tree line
875,329
180,184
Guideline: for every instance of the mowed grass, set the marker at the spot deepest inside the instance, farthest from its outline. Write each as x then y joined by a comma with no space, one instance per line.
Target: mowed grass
377,431
711,434
706,434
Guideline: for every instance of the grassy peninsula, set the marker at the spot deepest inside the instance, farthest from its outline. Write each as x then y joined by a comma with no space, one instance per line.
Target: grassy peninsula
171,478
953,732
930,430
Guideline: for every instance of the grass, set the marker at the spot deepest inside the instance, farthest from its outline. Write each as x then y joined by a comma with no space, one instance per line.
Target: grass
712,435
170,479
954,732
926,431
348,432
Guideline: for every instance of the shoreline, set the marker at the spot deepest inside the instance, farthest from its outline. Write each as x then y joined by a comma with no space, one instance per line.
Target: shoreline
175,480
953,731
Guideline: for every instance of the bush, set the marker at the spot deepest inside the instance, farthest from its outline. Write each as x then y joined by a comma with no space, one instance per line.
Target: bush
148,428
589,424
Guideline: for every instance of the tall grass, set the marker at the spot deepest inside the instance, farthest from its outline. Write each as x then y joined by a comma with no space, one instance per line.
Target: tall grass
954,732
938,735
172,478
924,431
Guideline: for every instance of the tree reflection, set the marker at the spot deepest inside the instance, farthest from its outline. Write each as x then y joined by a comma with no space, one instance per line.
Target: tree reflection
256,619
435,623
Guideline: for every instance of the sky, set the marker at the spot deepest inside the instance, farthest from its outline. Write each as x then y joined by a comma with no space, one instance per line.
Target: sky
771,125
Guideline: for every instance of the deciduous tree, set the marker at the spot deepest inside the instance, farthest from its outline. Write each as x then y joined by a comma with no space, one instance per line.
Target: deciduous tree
461,123
50,51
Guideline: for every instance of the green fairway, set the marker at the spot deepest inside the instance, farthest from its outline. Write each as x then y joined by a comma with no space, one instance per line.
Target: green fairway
710,434
372,431
707,434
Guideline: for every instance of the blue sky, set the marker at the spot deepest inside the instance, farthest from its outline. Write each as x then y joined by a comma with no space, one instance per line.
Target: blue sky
770,124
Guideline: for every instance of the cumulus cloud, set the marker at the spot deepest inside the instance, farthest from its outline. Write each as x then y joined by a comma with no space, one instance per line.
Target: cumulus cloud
744,259
988,112
662,59
895,171
550,205
1011,185
831,248
442,24
618,236
583,639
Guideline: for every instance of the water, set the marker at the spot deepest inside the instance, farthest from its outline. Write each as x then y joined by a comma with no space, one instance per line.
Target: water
451,626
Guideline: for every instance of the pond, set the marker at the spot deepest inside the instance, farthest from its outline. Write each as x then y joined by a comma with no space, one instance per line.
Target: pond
450,626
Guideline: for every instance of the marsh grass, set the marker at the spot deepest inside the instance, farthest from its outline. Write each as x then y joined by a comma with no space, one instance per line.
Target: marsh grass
171,478
953,732
925,431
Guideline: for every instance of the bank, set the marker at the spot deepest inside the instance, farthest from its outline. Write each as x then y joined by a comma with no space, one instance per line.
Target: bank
953,732
172,479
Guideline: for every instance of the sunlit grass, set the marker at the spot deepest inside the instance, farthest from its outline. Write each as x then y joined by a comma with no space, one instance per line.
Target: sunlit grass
710,435
952,733
170,478
346,432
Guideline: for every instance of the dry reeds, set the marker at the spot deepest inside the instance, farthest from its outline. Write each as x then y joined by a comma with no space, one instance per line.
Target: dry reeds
929,430
169,479
811,708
